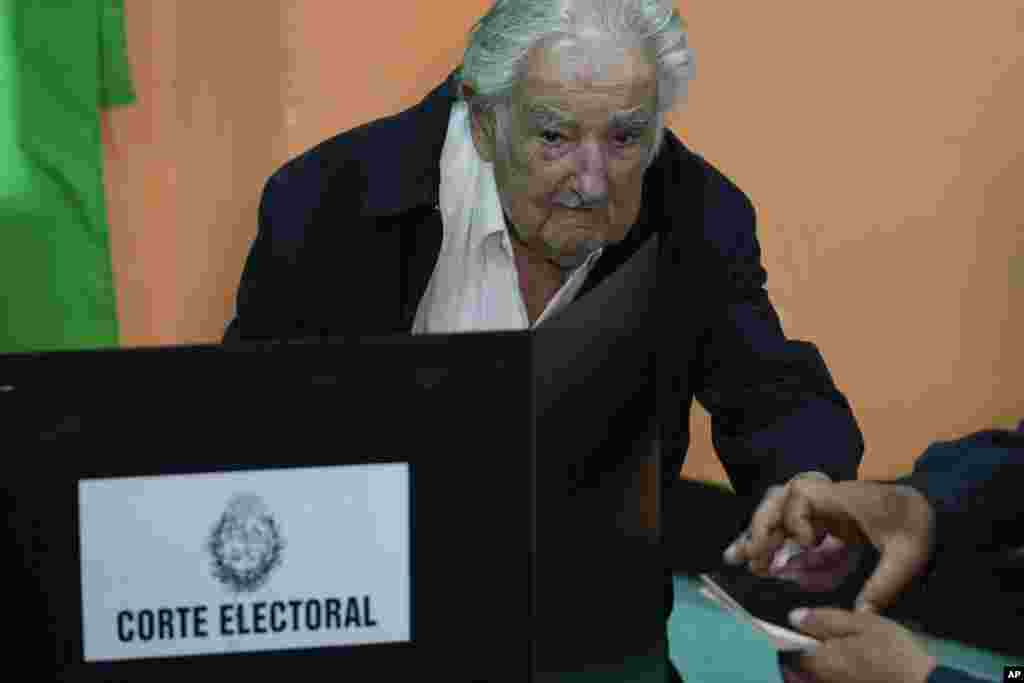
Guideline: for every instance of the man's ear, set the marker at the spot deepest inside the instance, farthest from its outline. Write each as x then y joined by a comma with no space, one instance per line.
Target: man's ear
483,124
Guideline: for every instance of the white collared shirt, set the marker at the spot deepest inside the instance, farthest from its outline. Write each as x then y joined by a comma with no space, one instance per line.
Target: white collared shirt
475,283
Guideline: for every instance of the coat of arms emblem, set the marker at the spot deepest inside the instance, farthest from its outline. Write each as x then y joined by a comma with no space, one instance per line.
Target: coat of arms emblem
245,544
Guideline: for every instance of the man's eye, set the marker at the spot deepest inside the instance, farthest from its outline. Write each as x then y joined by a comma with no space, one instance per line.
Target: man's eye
629,137
552,137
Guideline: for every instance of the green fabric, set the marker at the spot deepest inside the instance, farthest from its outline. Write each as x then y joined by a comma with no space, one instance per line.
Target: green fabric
61,61
710,645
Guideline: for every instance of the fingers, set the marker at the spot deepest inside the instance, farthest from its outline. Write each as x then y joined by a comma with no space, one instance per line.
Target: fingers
767,519
823,568
817,510
766,535
901,561
796,675
739,552
791,552
823,664
797,516
903,536
827,623
805,511
859,646
783,515
763,537
829,552
776,551
736,553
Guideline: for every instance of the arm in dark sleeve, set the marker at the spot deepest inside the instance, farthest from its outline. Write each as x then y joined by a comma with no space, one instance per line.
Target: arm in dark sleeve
775,409
973,587
974,485
265,305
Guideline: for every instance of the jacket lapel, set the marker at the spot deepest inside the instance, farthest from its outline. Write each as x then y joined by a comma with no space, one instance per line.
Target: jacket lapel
421,236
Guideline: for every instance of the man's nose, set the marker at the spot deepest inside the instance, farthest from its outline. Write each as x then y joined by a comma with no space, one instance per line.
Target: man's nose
591,173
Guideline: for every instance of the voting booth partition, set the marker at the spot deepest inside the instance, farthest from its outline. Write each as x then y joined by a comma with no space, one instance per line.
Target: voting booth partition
468,506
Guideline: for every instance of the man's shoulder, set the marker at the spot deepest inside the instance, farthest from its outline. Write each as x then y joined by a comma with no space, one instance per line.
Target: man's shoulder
379,167
716,191
707,213
366,145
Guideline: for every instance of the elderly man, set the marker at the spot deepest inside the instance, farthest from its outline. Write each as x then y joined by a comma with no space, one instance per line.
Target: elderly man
518,185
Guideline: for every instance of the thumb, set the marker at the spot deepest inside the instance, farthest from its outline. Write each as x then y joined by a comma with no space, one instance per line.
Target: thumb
897,567
827,623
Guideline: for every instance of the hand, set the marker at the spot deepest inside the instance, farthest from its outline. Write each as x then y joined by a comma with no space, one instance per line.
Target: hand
897,520
858,648
823,567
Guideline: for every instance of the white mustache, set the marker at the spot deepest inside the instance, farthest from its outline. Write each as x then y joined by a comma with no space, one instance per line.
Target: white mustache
575,200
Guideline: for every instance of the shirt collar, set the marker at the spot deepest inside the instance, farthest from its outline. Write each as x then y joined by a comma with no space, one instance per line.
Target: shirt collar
489,215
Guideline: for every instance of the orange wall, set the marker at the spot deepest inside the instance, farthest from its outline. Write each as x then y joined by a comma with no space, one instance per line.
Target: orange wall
879,141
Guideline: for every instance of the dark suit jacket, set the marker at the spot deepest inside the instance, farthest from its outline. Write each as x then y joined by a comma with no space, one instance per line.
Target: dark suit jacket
349,233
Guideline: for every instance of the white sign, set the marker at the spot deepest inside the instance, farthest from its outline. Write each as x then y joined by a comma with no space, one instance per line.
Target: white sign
244,561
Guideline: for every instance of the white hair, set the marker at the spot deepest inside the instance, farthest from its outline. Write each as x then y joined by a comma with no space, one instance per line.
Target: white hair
499,44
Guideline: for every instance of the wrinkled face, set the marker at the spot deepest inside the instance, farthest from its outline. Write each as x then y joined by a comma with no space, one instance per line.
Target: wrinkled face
571,151
246,543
